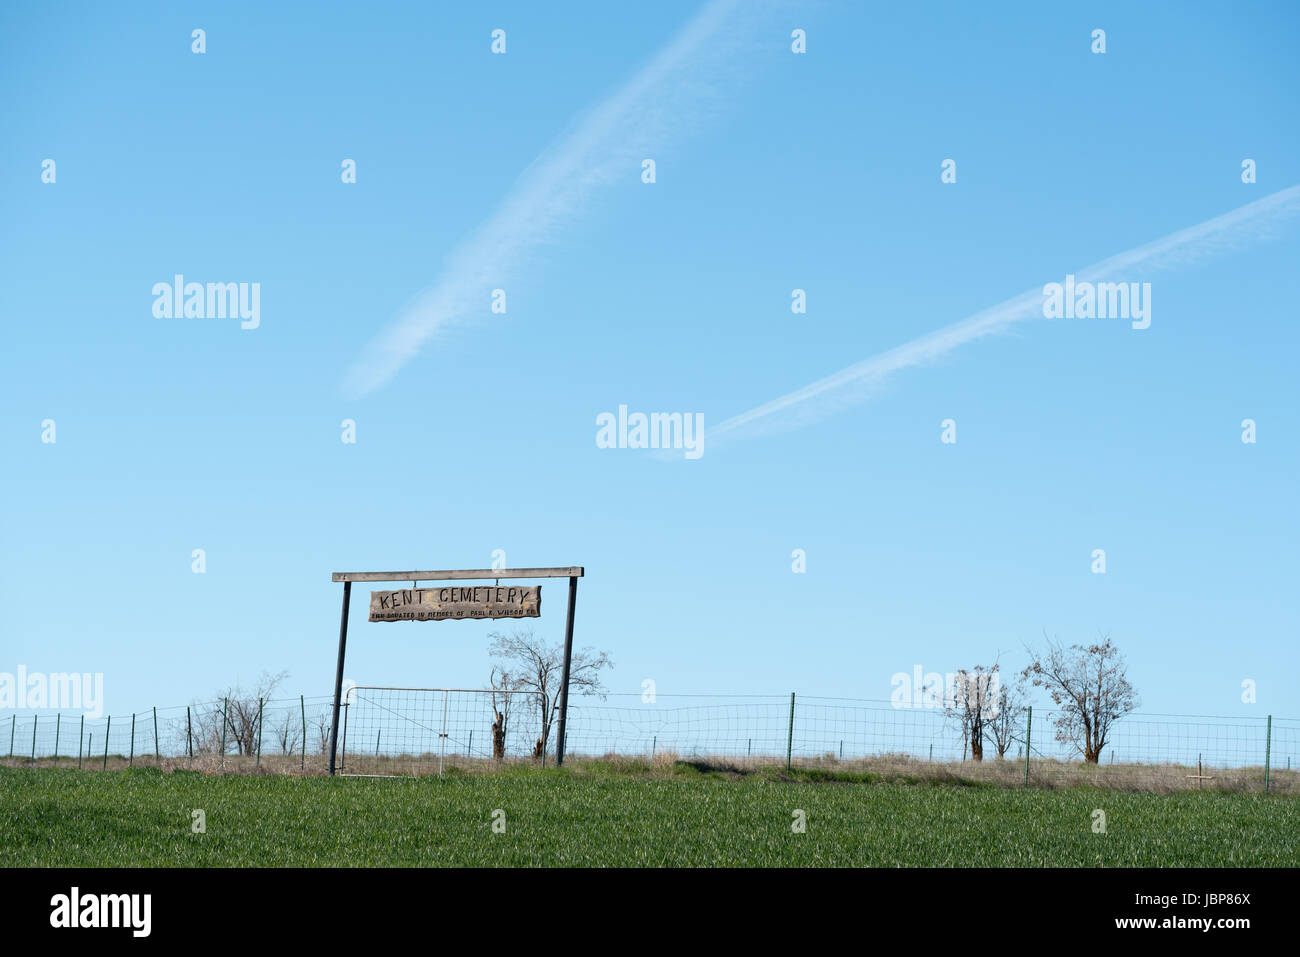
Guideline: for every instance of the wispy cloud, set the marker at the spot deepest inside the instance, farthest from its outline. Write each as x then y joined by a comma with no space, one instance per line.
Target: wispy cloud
849,386
606,145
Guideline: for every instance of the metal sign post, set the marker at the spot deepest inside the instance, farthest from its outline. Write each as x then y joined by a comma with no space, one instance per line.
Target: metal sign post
564,681
513,603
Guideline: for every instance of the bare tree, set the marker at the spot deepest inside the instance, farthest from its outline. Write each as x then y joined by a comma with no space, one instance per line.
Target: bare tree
288,731
536,666
972,702
233,718
500,681
1090,686
1007,717
321,725
208,719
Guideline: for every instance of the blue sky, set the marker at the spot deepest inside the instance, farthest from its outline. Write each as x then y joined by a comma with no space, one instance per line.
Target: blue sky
774,171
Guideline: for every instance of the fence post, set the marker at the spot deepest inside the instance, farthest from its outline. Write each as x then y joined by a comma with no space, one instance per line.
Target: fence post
302,702
344,763
58,724
34,738
157,754
81,739
653,745
1029,727
259,732
224,705
789,741
1268,750
107,731
130,763
189,735
442,738
13,724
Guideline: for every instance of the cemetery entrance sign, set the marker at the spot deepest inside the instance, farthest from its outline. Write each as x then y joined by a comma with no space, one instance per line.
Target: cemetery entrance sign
455,603
448,601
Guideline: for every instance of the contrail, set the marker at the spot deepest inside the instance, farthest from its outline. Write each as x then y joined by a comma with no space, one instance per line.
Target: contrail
848,386
605,146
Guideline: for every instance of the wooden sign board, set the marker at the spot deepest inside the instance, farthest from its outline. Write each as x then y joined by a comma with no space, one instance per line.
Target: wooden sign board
454,602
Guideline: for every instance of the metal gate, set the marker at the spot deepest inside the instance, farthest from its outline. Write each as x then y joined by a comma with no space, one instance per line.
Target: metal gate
390,732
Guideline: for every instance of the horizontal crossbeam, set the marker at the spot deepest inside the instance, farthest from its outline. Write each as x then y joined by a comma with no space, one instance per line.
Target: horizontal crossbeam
459,574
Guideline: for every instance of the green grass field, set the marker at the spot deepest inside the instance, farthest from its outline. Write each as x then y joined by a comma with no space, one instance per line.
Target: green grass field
620,815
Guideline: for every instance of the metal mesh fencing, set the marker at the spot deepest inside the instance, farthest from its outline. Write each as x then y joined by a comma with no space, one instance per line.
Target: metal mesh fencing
1163,752
388,731
417,731
276,733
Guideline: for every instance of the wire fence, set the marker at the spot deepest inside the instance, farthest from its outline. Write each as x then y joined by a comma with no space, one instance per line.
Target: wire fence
1154,751
389,731
413,731
225,733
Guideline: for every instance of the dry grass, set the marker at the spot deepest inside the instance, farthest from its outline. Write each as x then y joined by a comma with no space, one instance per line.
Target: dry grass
1051,774
1047,774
